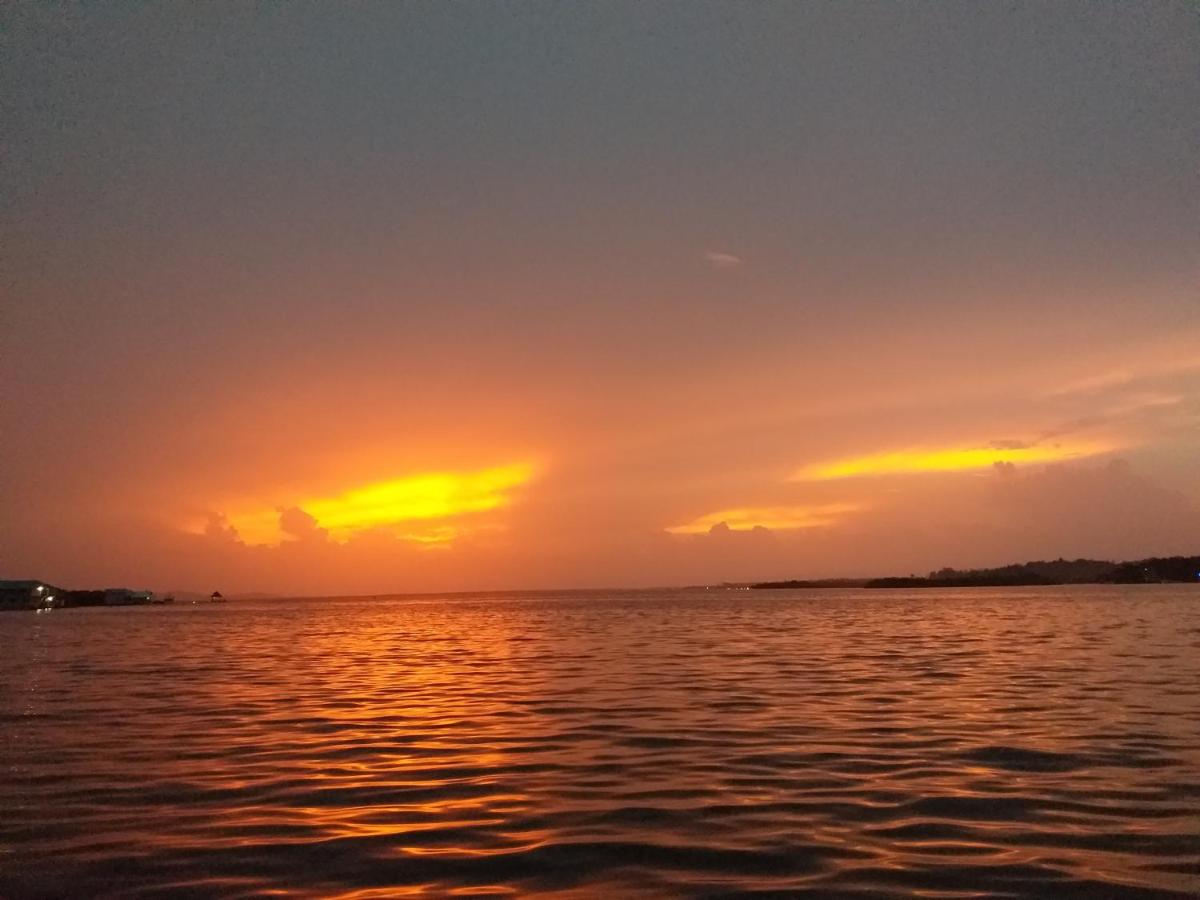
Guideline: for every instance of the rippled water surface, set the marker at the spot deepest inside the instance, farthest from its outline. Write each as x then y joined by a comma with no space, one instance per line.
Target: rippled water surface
1035,742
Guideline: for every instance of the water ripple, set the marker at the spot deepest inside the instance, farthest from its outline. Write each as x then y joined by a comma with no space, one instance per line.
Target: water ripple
1028,743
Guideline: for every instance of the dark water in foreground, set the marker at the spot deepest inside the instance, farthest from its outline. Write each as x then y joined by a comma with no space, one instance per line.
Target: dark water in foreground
1033,742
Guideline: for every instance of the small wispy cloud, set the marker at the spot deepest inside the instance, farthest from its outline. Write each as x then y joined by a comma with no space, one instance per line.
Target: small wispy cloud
1093,383
1144,401
720,260
1118,379
773,518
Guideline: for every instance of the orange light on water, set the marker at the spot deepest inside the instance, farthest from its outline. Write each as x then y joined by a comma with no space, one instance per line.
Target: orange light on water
776,518
896,462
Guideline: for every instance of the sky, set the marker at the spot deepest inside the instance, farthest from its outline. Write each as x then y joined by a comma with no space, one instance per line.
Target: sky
375,297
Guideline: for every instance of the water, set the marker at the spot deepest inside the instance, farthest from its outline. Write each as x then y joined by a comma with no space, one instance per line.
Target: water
1033,742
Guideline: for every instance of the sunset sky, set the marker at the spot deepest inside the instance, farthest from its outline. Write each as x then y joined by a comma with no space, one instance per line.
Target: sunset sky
323,298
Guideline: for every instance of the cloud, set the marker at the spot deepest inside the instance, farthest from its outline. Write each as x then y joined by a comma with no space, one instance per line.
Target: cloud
217,527
1117,379
1010,513
720,260
950,459
1091,384
1108,510
297,524
418,507
1079,509
772,518
1136,402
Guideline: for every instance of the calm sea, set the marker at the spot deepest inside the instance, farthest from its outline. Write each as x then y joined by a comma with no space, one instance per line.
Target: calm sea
1018,743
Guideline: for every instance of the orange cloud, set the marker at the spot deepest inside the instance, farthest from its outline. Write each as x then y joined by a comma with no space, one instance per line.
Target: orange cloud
720,260
956,459
776,518
426,508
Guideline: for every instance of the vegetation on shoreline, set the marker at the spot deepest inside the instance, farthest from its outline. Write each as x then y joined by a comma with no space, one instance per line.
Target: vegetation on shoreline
1156,570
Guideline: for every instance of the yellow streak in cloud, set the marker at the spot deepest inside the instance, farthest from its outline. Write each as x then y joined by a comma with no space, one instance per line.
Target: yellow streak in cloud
436,496
897,462
776,518
386,504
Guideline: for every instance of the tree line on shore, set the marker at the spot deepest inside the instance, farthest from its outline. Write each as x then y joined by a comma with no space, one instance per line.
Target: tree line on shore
1155,570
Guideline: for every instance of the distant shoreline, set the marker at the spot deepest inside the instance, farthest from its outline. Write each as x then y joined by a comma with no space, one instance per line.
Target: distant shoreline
42,596
1039,573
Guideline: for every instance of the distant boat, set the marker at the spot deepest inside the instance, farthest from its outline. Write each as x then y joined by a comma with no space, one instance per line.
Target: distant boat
216,597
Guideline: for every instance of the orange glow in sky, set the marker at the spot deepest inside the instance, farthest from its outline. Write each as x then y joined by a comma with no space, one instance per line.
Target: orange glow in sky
417,507
896,462
420,318
777,518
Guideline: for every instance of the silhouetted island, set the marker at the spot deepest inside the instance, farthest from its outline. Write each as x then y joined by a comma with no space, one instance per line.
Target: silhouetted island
33,594
1156,570
814,583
